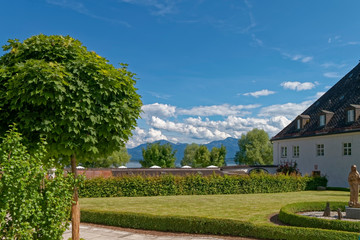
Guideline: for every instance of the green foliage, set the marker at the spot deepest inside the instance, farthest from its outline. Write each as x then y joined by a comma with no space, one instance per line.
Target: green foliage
202,225
189,154
31,206
165,185
52,86
159,155
199,156
288,215
116,159
217,156
255,148
202,157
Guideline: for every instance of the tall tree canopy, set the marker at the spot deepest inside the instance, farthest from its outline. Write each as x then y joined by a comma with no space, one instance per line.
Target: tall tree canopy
52,86
189,154
159,155
255,148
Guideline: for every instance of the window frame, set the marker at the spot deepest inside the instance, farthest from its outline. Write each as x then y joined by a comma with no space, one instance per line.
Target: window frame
322,120
282,152
350,115
320,150
296,151
346,149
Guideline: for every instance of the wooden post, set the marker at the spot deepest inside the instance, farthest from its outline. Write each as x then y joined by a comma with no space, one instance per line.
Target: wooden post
75,208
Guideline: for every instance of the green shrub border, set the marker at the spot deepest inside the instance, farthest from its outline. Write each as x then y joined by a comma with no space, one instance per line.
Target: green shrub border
288,215
202,225
167,185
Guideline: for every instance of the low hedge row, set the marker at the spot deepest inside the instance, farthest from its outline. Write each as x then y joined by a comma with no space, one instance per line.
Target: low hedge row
165,185
201,225
288,215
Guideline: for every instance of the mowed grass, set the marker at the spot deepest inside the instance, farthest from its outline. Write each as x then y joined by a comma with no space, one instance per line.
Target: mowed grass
255,208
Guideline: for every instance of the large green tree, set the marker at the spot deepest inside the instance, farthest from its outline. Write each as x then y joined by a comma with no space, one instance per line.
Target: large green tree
189,154
217,156
53,87
159,155
202,157
255,148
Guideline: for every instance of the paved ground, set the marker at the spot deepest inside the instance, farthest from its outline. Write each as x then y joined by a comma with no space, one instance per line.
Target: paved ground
92,231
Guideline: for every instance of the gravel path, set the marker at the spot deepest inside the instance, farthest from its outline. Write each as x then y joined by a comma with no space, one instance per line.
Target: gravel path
100,232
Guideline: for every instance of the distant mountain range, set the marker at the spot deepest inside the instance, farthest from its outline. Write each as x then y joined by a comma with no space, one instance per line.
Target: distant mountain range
231,145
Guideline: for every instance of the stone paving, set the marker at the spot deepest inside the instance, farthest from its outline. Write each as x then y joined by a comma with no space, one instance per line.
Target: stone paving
90,232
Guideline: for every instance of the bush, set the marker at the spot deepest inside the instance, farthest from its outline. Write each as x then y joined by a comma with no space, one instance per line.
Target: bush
165,185
31,206
216,226
288,215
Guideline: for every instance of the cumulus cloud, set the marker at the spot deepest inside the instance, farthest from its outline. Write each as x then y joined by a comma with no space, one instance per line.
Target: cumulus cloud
157,109
199,127
288,110
141,136
217,110
332,75
298,86
257,94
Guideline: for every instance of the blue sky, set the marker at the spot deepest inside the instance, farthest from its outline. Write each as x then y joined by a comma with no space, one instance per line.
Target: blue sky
207,69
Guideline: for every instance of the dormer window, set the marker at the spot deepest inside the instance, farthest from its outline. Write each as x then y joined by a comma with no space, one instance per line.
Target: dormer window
322,120
301,121
324,117
352,113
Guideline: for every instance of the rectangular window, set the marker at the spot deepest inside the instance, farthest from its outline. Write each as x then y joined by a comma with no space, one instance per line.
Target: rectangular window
322,120
296,151
298,124
347,149
351,115
283,152
320,150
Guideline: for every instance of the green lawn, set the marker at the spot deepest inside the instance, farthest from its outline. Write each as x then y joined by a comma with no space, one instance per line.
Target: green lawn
255,208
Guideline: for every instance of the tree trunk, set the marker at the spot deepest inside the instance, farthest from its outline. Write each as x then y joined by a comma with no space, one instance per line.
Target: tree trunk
75,209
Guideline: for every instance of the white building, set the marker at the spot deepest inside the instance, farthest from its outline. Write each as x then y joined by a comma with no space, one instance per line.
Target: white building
325,138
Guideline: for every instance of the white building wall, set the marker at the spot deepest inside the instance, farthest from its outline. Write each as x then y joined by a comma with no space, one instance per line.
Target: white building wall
333,164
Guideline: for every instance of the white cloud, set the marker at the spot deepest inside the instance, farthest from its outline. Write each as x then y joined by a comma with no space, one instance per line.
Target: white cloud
298,57
257,94
332,65
201,129
298,86
141,136
288,110
157,109
332,75
217,110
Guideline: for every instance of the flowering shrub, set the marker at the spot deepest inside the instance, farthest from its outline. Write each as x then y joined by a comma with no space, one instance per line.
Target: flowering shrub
288,167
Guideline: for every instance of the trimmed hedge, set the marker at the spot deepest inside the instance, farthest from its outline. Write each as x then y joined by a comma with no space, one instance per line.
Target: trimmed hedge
202,225
288,215
165,185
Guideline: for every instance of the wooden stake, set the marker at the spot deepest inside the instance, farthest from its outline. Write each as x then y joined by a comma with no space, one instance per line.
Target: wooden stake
75,208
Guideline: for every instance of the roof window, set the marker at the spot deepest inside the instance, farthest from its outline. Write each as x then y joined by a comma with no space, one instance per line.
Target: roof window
301,121
352,113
